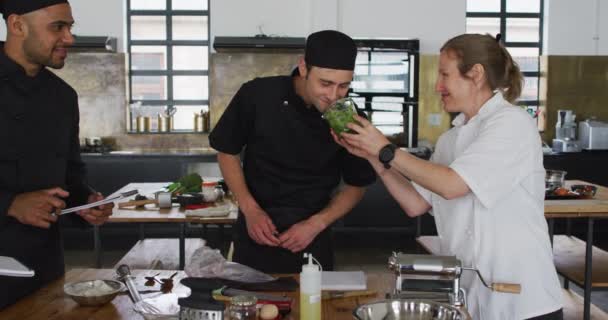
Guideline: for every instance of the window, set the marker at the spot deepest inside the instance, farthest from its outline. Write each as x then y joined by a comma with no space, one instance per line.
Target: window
385,85
520,23
168,47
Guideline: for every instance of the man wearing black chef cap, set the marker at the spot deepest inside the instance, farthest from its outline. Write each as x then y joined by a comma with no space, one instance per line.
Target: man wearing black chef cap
287,186
40,166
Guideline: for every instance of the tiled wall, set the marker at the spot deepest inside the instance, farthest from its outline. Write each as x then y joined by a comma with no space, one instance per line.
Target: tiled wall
567,82
100,81
578,83
229,70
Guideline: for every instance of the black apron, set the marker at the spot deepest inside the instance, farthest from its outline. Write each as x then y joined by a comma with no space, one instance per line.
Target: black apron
276,259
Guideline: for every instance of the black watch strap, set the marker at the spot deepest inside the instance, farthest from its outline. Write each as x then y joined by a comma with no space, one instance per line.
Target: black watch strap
387,154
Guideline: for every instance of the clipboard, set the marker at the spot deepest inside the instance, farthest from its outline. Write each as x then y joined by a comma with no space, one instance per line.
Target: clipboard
10,267
98,203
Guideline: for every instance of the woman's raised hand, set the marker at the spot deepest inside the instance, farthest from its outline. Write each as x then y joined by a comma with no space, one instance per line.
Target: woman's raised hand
365,140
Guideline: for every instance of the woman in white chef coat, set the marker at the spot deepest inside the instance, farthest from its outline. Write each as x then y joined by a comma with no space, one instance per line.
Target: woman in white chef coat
484,184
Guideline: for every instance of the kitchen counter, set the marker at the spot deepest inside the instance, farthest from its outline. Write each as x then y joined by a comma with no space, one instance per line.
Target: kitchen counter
168,152
51,303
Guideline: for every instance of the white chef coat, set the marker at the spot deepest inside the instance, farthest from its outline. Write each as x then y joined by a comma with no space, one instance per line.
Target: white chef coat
499,227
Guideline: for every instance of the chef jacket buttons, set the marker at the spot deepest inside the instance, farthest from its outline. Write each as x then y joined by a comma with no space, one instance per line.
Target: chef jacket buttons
19,116
285,103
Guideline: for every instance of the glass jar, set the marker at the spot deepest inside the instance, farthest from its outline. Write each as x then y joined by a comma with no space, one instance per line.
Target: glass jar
340,114
243,308
210,192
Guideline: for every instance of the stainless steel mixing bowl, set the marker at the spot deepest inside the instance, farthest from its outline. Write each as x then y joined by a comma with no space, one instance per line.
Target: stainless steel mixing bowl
71,290
399,309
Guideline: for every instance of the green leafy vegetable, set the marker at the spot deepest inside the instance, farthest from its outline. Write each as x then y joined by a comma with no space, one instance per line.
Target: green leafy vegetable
340,114
188,183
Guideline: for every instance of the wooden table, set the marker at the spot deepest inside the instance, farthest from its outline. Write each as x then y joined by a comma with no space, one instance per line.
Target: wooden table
568,255
152,214
51,303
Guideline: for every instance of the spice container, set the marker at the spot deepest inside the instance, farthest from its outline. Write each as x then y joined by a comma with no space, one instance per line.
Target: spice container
143,124
243,308
165,123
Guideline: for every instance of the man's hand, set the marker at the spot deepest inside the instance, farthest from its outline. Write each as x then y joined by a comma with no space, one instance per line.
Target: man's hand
260,228
36,208
301,234
98,215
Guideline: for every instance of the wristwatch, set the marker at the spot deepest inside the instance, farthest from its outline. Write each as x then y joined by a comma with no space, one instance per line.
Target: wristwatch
387,154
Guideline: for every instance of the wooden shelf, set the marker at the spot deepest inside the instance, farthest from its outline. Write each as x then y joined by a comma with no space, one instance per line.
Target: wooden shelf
569,258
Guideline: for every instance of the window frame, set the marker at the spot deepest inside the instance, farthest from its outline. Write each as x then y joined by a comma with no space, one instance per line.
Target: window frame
169,72
503,15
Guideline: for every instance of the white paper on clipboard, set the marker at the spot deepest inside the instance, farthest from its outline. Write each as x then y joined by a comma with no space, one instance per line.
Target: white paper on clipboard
12,268
100,202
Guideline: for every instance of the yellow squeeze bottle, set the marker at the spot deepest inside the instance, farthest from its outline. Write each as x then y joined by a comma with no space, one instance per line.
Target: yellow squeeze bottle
310,290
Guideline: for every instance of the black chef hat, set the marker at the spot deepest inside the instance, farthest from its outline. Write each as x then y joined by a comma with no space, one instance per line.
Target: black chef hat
330,49
8,7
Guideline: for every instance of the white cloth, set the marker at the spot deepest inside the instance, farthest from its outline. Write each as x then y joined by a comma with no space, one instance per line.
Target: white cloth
499,227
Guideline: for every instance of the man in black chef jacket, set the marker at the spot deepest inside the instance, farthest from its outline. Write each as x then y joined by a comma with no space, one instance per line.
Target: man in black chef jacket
291,166
40,166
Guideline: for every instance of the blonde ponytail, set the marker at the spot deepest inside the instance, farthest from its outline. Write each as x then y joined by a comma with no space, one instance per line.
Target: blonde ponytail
502,72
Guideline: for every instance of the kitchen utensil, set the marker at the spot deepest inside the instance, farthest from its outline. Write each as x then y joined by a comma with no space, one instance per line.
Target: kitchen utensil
593,134
331,295
166,200
565,133
554,179
230,292
408,309
435,274
124,275
98,203
92,141
200,305
81,292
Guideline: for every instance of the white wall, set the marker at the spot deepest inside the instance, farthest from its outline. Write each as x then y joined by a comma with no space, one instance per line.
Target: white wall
94,18
603,27
431,21
576,27
290,18
359,18
571,27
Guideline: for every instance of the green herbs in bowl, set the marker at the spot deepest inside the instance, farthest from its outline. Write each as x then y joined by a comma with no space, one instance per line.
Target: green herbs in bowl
340,114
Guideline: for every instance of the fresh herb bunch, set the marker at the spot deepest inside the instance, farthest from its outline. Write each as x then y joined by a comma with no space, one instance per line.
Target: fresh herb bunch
188,183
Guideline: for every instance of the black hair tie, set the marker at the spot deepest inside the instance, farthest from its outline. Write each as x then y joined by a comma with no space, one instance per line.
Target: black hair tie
498,37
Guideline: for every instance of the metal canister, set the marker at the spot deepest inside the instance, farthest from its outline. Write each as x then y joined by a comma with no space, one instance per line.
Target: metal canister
198,122
165,124
142,124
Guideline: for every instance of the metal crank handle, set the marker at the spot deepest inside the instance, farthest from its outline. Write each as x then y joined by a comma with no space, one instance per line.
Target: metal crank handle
498,287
